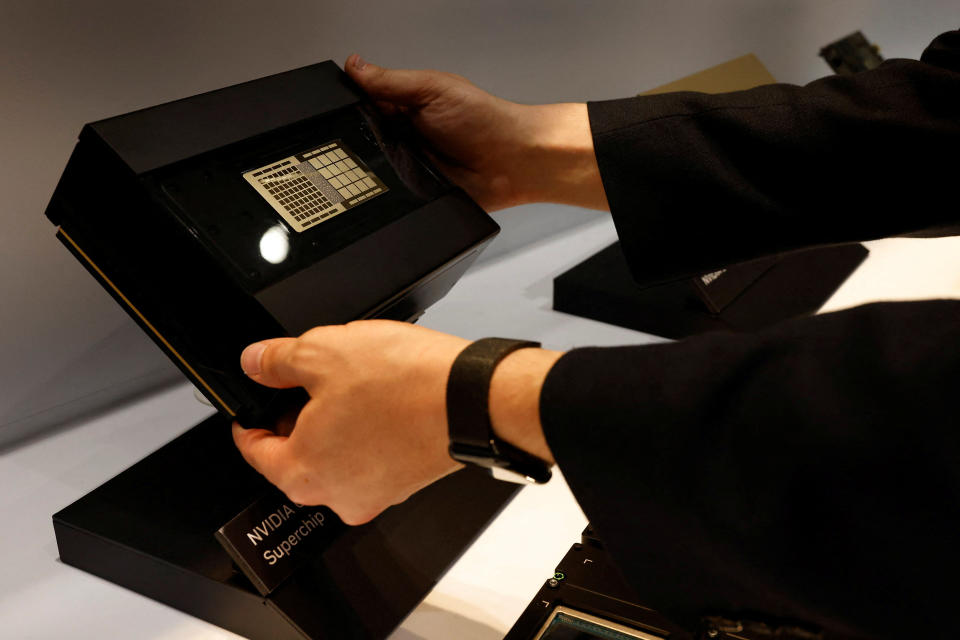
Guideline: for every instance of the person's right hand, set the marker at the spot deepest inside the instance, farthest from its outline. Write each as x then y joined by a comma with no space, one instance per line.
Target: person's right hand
375,428
501,153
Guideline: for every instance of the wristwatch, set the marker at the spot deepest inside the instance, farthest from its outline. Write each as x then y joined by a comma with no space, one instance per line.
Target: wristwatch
472,440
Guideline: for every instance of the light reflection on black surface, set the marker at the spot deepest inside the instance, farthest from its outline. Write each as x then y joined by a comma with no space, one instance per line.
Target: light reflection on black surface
275,244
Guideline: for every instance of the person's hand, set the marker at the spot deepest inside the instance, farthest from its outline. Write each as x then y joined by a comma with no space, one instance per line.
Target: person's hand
500,152
375,429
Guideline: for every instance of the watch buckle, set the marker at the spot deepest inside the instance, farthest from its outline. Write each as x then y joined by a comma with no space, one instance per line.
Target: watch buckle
509,475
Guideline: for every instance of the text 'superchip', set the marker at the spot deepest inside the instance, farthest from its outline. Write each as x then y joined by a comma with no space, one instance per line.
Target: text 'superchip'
272,537
312,187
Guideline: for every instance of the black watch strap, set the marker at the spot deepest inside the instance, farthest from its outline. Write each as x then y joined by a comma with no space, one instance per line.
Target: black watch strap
472,439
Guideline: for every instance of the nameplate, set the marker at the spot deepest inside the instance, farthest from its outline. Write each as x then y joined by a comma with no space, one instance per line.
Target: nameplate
719,288
273,537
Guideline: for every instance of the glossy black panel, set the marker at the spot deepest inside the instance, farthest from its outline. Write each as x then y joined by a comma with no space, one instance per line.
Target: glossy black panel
161,135
210,197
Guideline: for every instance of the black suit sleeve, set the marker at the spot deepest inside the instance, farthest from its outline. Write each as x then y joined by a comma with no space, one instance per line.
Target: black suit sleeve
812,470
696,182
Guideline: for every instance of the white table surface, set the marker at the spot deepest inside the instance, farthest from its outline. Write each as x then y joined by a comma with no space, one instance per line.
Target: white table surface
481,596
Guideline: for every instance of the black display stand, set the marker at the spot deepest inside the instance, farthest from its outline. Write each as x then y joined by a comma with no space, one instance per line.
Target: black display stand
151,529
602,288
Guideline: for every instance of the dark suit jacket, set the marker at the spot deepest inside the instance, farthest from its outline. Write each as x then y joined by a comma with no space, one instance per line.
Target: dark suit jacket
812,470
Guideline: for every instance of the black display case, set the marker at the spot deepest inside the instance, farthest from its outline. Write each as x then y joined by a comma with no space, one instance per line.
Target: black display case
760,293
261,210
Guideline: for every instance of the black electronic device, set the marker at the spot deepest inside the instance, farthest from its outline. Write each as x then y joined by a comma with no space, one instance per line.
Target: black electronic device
587,598
261,210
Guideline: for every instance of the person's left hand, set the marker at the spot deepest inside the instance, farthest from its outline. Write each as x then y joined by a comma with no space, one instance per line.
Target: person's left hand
375,429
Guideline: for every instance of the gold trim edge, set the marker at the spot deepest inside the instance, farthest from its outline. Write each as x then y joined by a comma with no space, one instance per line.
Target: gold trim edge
146,322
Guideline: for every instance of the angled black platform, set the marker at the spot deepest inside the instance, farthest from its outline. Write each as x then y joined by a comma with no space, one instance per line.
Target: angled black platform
151,529
602,288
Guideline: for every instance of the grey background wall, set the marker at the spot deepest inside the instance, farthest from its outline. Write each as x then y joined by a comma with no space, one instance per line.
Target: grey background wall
66,347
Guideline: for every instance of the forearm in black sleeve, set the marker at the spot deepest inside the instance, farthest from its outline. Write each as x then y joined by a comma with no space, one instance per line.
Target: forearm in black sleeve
696,182
810,471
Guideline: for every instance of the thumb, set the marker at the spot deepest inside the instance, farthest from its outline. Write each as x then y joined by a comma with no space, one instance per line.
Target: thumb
273,363
263,450
412,88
